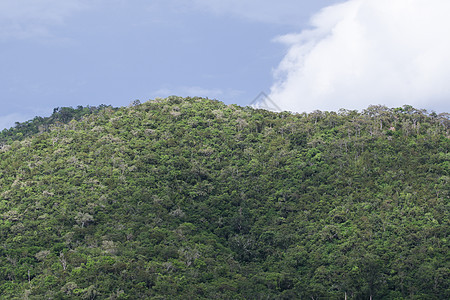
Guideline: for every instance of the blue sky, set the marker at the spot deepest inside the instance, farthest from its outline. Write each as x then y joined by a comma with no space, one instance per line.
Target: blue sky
57,53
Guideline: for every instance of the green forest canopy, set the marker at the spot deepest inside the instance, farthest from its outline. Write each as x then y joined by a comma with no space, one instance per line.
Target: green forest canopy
186,198
60,115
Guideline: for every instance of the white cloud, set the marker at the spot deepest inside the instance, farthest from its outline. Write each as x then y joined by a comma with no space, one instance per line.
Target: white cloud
363,52
32,18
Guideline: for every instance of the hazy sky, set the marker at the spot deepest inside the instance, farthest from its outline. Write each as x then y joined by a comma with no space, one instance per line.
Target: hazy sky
321,54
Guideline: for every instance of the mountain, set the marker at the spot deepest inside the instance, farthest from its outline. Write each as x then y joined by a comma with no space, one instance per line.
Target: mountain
189,198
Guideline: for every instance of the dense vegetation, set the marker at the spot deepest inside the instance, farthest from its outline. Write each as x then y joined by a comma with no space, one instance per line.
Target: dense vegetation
60,115
190,198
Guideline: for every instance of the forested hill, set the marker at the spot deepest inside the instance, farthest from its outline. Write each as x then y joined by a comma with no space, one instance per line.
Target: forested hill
194,199
60,115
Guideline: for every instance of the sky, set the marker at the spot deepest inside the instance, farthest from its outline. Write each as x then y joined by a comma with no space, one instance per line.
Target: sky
305,55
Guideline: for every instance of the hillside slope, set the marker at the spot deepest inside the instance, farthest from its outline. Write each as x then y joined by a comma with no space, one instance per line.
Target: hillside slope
60,115
190,198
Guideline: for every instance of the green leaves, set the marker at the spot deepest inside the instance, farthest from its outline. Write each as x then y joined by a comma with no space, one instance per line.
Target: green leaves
191,198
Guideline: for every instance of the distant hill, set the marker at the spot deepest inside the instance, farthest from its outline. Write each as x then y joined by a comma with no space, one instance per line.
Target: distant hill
189,198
